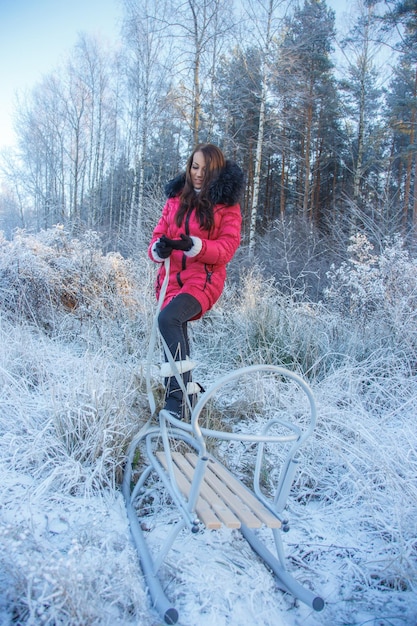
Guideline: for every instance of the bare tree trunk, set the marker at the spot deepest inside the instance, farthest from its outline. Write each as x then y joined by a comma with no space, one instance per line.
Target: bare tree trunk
261,126
307,161
407,185
136,166
258,163
409,169
196,105
144,148
282,188
316,190
214,57
357,176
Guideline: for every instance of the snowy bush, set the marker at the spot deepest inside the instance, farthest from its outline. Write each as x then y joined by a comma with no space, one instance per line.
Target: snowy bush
71,581
377,295
66,419
255,323
60,283
369,314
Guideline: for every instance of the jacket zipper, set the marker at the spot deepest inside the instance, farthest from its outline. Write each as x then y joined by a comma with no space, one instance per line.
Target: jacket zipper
187,222
209,273
184,257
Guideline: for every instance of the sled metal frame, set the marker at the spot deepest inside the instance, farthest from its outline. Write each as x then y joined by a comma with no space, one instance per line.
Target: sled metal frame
188,499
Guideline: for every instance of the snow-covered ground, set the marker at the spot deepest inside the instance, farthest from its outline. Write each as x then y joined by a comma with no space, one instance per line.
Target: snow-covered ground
71,399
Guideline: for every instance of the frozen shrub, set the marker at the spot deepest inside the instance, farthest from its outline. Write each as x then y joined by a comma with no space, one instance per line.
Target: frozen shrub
377,294
256,323
47,277
42,584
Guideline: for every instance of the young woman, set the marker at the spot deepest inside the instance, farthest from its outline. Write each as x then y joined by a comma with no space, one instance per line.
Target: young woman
200,231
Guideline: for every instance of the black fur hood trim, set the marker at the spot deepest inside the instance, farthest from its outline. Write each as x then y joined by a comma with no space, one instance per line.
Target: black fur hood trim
226,189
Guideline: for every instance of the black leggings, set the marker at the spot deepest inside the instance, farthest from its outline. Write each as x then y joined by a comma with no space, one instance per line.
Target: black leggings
172,321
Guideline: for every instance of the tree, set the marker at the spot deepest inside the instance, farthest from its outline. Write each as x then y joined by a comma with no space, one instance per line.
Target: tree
12,203
403,17
147,67
94,75
42,133
403,14
306,85
199,27
402,113
66,137
361,93
263,17
237,112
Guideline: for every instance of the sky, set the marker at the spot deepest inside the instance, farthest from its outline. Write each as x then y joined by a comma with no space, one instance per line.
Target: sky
35,35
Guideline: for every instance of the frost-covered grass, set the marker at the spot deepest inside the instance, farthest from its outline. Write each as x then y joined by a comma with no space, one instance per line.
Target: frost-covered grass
72,396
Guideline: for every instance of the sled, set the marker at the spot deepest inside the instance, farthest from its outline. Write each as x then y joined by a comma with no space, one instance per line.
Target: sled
182,458
179,458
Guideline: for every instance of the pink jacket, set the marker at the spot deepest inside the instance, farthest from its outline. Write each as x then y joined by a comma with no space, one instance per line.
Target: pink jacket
201,272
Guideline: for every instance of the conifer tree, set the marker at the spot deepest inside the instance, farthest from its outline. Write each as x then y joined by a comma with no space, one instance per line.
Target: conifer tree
306,83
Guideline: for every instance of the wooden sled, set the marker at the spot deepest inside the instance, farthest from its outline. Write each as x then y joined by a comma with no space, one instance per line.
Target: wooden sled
208,494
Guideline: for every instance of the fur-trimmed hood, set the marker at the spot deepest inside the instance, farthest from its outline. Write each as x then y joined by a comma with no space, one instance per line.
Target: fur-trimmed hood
226,189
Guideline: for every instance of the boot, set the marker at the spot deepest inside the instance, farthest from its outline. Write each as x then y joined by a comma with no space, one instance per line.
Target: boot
193,392
174,398
174,403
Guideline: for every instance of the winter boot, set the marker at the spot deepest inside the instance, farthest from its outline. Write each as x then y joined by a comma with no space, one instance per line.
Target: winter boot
174,403
174,398
193,392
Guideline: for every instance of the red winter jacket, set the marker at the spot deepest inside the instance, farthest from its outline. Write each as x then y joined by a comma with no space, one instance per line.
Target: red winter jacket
201,272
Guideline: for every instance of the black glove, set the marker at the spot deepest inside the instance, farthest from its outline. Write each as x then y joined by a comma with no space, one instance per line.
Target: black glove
185,243
162,249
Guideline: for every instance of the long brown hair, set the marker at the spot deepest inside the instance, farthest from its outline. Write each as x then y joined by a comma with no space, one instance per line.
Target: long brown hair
214,163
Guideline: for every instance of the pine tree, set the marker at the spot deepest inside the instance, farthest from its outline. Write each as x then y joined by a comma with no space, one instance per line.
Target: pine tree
362,98
306,85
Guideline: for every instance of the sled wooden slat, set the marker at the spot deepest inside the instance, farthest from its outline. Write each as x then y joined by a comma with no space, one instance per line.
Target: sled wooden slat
222,499
208,495
236,495
238,506
203,509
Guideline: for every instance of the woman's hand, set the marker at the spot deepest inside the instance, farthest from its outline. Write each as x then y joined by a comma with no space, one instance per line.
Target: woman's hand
185,243
162,249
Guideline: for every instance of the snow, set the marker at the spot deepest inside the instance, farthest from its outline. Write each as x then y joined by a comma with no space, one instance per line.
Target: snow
72,397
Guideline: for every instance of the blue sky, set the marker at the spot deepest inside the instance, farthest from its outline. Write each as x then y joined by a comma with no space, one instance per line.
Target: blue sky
35,35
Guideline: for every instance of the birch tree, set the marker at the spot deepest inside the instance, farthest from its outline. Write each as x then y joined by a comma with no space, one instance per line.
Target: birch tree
43,137
263,15
361,91
147,51
199,28
93,72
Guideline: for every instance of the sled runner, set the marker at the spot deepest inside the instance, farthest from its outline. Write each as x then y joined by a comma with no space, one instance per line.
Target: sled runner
181,458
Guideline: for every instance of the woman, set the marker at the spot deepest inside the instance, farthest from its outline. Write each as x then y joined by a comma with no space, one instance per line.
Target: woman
200,231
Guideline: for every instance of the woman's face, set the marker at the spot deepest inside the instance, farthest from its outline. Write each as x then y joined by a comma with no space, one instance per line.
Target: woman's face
198,170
